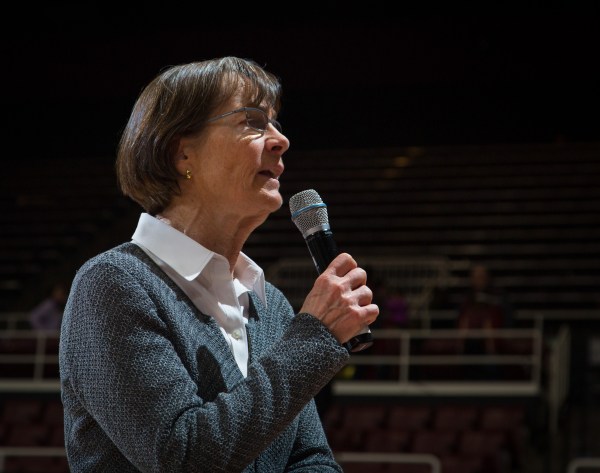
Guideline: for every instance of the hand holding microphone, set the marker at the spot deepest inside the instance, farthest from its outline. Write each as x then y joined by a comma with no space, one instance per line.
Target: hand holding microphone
340,297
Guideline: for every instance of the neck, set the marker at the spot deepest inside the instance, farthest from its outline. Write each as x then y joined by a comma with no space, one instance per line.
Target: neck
224,234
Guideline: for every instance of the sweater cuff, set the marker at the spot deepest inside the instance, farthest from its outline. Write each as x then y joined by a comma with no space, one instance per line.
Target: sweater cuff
320,332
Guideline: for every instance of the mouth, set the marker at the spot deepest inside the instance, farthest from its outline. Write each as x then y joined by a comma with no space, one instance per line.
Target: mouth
269,174
272,171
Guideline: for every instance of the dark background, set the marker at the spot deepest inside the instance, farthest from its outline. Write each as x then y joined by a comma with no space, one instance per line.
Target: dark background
72,74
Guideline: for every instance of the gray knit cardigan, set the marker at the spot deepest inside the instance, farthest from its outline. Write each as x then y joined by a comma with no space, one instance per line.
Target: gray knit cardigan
148,383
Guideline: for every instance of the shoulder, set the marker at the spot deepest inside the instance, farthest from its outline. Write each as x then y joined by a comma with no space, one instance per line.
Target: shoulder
126,253
122,280
118,266
124,256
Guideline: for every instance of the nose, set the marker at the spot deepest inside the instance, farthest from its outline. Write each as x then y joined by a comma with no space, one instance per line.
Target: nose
277,142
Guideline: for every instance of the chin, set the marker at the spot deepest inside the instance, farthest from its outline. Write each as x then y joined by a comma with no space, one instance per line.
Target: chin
275,199
277,202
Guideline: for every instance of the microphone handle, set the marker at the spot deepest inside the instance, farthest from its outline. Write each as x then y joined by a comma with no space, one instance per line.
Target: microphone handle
323,250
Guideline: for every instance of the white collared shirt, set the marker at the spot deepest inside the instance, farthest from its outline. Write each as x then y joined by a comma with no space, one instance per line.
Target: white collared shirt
205,277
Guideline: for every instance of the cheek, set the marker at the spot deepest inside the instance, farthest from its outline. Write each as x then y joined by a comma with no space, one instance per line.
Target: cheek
246,162
238,163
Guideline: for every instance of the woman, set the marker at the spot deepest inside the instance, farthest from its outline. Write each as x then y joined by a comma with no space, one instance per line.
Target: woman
175,354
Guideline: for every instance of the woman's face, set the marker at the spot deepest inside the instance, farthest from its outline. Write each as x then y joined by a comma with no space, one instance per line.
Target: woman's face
235,169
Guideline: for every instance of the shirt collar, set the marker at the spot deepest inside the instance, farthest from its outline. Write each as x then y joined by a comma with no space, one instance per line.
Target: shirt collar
188,257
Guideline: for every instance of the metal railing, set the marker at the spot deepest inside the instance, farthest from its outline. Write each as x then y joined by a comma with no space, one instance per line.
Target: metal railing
410,356
551,386
26,356
581,465
29,452
345,458
558,367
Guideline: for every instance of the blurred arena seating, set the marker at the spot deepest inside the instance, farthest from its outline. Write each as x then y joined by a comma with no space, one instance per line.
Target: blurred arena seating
530,212
475,446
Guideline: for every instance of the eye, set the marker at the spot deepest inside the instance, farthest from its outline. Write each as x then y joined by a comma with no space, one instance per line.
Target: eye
257,119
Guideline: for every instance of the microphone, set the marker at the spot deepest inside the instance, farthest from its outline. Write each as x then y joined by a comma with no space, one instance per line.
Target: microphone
309,213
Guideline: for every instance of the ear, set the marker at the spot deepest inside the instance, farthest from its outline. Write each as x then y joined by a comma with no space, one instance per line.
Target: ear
180,158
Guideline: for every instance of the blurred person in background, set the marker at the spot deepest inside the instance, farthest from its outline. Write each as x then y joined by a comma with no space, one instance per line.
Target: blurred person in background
485,307
48,314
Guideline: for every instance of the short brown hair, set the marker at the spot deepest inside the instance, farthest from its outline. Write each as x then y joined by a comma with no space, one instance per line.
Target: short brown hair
175,104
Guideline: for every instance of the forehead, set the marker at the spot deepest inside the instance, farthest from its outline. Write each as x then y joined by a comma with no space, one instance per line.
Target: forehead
236,100
258,92
239,100
233,95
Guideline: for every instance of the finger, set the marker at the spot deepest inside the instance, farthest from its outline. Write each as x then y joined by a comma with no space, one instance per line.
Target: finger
357,278
341,265
369,313
364,296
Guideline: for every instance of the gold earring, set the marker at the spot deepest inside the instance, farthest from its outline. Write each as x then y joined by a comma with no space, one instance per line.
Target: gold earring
188,174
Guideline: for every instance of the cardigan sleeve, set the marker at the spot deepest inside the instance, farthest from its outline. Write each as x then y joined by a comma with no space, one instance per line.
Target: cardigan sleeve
311,448
125,383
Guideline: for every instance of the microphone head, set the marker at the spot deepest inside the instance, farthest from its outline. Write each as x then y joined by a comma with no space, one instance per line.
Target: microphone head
309,212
